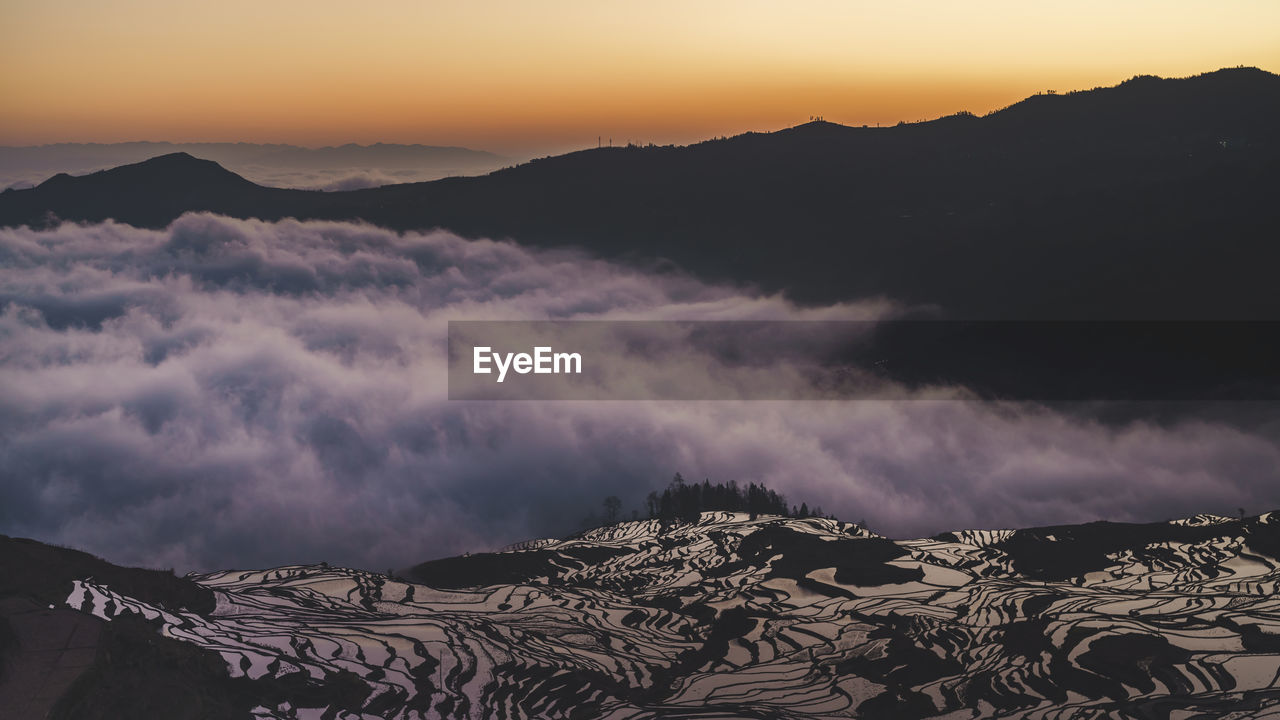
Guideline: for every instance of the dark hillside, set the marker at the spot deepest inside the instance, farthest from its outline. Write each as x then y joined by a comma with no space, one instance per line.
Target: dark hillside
1151,199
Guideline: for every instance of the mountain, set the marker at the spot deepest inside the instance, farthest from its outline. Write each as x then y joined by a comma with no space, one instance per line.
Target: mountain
1153,199
728,617
168,186
270,164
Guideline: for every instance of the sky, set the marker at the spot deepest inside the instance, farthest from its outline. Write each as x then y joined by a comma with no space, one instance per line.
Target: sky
227,393
519,77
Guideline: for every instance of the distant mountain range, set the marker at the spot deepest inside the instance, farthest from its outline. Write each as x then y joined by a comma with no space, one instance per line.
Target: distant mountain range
269,164
1152,199
731,616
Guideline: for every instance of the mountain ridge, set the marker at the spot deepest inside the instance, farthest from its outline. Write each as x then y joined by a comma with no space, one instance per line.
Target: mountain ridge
335,167
1026,213
161,167
85,154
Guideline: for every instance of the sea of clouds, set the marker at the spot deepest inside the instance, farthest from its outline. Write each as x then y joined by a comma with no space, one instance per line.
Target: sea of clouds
336,179
228,393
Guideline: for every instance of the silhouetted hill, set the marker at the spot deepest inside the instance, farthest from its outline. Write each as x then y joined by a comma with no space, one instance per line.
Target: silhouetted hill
159,173
272,164
1154,198
148,193
1231,99
44,573
62,663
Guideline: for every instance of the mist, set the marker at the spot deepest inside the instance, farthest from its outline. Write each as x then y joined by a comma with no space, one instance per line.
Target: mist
232,394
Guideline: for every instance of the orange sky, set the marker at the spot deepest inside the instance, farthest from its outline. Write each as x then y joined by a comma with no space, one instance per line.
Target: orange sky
525,76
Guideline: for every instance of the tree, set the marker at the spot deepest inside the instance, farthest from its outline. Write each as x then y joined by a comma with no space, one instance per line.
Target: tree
685,502
691,507
666,507
612,506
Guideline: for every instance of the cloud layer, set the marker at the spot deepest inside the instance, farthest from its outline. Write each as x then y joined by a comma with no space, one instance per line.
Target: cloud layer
230,393
328,179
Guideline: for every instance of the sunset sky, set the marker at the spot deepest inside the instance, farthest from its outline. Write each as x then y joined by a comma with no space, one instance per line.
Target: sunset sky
528,77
